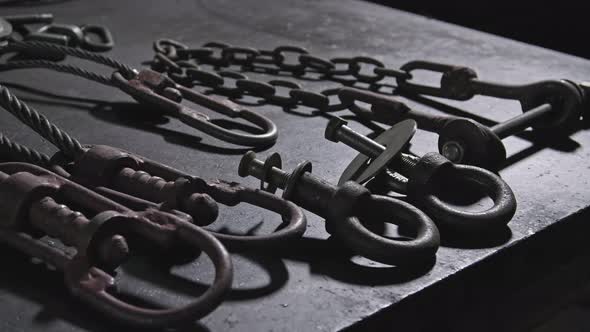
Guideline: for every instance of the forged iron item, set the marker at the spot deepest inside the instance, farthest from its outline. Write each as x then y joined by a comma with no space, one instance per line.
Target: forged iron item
345,209
182,65
101,167
95,38
153,89
37,203
555,105
116,173
424,173
466,141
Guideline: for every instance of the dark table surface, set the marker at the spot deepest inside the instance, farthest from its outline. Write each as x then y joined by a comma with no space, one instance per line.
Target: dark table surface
311,286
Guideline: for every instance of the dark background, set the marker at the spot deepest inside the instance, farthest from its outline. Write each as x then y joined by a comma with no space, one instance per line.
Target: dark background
558,25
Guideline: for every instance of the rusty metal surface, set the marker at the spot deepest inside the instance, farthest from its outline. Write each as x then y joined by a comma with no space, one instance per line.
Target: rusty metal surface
312,286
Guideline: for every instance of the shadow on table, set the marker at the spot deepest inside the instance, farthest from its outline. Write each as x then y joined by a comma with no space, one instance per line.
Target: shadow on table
36,283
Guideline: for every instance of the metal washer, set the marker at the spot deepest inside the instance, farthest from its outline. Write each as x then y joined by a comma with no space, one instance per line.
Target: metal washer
361,169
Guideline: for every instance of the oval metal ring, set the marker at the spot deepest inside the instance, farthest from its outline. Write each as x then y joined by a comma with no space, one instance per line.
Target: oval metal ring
290,213
91,285
355,65
283,101
279,57
385,250
466,221
168,47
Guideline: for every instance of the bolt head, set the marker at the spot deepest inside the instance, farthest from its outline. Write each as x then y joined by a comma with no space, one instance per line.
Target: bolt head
172,94
114,251
333,127
453,151
245,163
203,208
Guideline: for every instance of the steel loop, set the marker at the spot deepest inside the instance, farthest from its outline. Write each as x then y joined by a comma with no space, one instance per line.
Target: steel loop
396,73
341,72
310,99
255,88
227,88
322,65
207,78
284,101
239,55
168,47
198,53
211,58
356,66
279,57
267,57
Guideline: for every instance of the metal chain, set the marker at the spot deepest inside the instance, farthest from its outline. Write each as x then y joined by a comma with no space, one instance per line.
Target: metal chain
181,63
22,153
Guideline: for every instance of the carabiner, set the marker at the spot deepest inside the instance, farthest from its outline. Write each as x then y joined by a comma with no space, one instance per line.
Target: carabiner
117,173
384,153
156,89
38,202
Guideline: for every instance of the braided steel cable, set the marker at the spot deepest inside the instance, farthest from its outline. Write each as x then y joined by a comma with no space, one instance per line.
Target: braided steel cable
74,70
39,123
14,46
22,153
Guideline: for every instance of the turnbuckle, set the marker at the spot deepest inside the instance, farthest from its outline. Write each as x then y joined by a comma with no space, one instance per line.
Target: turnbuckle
119,174
349,210
36,203
153,88
423,175
557,105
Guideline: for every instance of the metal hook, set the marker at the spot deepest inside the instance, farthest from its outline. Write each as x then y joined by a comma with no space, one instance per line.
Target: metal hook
385,152
156,89
35,200
116,173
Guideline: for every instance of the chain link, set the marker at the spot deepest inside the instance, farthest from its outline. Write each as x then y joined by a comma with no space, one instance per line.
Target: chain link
181,63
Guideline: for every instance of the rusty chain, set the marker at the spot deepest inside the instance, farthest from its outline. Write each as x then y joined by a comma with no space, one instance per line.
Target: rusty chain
182,64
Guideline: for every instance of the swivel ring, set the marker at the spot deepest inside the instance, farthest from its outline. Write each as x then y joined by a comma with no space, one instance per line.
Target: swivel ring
455,219
379,248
